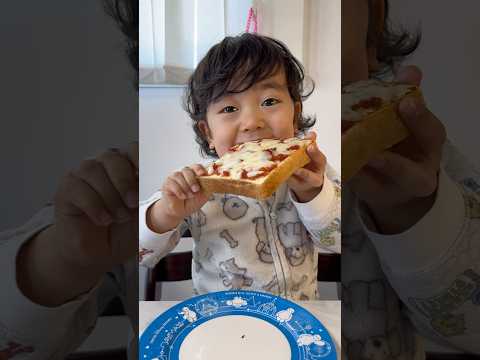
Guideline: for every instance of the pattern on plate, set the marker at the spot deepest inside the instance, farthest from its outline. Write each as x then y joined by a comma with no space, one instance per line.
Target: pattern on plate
188,314
307,337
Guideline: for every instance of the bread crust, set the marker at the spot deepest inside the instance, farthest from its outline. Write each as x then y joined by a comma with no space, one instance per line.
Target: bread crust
375,133
259,189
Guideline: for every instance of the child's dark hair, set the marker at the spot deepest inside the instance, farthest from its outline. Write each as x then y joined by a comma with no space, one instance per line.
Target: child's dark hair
125,14
394,44
233,66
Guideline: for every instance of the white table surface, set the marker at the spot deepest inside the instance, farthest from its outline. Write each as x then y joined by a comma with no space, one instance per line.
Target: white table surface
328,312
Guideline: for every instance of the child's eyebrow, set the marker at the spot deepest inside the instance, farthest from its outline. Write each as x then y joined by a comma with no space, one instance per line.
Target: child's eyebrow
271,85
261,86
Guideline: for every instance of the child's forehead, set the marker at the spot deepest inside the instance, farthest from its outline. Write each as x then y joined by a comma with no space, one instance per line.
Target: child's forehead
276,81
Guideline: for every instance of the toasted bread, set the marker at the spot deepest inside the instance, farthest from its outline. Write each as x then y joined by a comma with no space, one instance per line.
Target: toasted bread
256,169
369,108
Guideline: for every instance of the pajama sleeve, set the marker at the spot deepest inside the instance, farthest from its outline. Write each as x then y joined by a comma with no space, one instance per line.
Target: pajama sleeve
435,265
321,215
153,246
30,330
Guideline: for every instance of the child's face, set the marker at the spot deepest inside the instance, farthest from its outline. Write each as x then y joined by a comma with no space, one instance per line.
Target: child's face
357,58
265,110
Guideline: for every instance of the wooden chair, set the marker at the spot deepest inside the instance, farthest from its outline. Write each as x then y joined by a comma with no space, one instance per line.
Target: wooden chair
178,267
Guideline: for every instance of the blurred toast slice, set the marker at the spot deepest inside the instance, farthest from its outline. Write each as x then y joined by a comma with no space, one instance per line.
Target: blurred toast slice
370,122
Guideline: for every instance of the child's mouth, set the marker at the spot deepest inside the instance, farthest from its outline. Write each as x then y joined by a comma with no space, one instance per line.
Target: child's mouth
257,138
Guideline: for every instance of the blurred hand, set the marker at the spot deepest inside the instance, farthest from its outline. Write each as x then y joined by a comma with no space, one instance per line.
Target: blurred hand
95,228
96,221
181,196
307,182
399,185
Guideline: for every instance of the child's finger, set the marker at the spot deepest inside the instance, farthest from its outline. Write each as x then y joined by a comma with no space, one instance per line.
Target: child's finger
132,153
424,126
318,159
172,187
180,180
122,175
313,179
295,182
410,74
199,169
191,179
414,178
367,184
76,197
312,135
93,173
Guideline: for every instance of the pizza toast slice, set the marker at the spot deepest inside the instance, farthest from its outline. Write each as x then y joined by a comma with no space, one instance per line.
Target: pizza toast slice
370,121
256,168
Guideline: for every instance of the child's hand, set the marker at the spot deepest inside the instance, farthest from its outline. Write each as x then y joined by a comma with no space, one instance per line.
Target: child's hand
398,186
307,182
95,228
96,209
181,196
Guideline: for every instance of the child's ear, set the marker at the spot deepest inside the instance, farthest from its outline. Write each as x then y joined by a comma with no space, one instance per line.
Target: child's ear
203,126
297,113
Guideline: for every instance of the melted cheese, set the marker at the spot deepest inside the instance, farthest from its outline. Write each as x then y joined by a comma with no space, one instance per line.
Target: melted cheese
355,93
252,158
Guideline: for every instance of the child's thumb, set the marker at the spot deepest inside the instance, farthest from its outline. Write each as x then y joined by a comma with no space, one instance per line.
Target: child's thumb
410,74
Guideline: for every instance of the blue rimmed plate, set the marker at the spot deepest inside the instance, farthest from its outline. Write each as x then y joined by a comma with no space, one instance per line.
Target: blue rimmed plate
236,325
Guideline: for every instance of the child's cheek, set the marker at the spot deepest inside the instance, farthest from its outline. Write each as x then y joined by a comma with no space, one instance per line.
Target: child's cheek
223,136
225,143
283,127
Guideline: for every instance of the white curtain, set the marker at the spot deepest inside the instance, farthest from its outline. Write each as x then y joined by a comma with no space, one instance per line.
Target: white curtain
176,34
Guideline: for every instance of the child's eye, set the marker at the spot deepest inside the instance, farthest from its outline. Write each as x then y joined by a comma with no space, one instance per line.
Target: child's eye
270,102
228,109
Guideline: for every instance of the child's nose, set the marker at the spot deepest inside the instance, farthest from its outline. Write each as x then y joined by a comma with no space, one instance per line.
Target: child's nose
252,122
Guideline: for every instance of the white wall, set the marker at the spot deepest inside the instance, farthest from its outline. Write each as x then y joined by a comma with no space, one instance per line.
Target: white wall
236,15
448,56
284,20
166,137
323,57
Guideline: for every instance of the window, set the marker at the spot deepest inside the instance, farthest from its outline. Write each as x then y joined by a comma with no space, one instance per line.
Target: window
176,34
